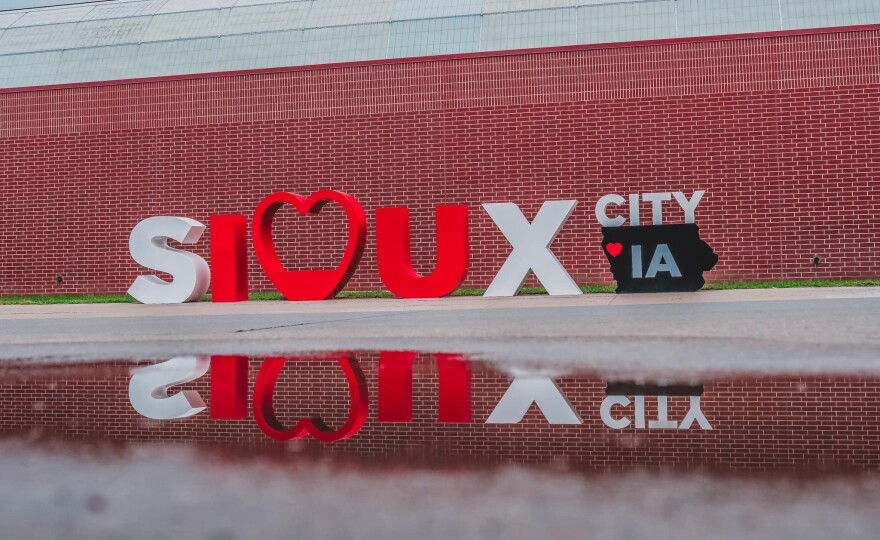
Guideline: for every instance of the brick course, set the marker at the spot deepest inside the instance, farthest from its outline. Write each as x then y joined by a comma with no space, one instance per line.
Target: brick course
780,130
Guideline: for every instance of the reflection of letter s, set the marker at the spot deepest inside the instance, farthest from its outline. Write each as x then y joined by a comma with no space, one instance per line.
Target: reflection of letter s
148,245
148,389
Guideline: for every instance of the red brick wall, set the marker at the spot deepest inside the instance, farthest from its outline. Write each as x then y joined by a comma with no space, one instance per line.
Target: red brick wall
781,131
759,423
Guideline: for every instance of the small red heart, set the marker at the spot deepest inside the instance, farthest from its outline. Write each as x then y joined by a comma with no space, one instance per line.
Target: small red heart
614,249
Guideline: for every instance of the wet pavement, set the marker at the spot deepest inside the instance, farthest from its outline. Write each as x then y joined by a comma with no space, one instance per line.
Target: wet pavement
738,418
148,492
788,330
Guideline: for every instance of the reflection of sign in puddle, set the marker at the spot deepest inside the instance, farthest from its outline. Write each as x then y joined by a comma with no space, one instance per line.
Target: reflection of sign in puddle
617,396
446,409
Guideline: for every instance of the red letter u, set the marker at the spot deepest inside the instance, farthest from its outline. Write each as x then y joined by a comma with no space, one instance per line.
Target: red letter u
394,256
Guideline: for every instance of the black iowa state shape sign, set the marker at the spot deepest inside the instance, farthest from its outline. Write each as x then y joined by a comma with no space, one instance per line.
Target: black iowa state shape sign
657,258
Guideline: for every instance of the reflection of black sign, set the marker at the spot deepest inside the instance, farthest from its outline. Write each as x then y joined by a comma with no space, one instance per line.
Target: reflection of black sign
657,258
631,388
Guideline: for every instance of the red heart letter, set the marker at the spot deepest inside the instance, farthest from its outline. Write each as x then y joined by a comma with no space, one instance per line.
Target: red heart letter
309,284
264,412
614,249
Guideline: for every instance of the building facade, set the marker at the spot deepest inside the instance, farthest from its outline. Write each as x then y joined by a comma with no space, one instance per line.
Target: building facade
111,112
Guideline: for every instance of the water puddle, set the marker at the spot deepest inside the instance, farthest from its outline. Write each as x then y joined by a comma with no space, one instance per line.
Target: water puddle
401,409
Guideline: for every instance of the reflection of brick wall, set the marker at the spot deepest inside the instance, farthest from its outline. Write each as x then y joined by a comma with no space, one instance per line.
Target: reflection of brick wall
780,130
759,423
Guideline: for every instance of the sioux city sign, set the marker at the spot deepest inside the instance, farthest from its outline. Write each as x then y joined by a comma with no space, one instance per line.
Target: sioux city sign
652,258
148,394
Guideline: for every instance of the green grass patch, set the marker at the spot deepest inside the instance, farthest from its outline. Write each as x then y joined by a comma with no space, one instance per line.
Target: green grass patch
538,290
268,296
365,294
68,299
792,284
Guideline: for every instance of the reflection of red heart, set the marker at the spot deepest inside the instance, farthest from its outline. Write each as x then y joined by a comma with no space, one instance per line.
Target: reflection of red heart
264,410
614,249
308,284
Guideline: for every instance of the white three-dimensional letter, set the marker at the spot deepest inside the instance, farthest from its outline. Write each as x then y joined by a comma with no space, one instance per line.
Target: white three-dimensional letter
537,389
695,413
148,388
148,245
531,248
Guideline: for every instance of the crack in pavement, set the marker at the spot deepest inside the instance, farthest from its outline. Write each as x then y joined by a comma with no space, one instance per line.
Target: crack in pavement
318,322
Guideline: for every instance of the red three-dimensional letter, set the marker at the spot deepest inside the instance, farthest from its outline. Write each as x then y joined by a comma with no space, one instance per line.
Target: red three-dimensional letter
395,387
229,272
454,392
264,408
394,257
308,284
229,387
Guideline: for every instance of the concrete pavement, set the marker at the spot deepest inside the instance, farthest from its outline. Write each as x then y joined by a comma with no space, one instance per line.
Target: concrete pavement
80,491
816,329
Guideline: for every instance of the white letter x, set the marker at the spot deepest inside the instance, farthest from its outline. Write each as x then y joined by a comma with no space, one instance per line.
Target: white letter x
531,248
537,389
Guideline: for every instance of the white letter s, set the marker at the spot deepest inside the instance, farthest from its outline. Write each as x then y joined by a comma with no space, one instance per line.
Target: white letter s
148,245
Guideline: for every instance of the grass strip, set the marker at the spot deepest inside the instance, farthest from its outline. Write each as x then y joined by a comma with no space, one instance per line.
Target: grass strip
268,296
